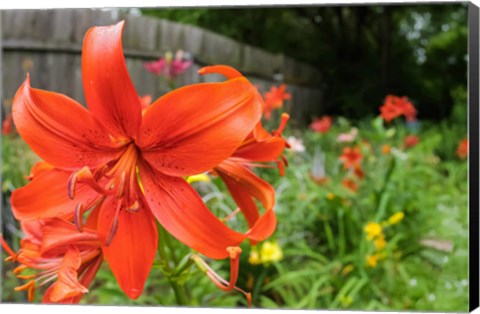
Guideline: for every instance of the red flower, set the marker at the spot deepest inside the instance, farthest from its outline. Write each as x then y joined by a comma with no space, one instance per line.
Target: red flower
58,251
351,157
350,184
7,125
395,106
129,166
462,149
274,99
411,141
321,125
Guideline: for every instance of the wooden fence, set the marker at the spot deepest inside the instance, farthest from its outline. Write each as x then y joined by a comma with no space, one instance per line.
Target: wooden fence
47,44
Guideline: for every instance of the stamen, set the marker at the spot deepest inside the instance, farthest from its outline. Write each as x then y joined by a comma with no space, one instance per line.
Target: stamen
83,175
231,215
283,123
77,217
281,167
31,293
25,286
234,253
134,207
121,185
285,160
114,226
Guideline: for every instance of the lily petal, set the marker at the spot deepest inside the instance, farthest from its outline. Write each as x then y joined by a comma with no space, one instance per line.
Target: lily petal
192,129
244,185
264,227
181,211
109,91
131,252
67,285
46,196
59,129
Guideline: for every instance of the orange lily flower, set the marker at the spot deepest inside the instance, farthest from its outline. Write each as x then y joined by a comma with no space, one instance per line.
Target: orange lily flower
59,252
395,106
321,125
350,184
130,166
351,157
259,148
274,99
7,125
462,149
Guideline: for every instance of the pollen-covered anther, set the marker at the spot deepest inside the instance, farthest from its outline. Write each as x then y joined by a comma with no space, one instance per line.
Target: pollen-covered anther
234,251
134,207
85,176
283,123
77,217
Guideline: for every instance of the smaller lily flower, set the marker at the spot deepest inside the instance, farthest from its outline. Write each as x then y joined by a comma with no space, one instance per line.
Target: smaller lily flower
7,125
350,184
321,125
351,157
348,137
274,99
372,260
168,66
395,106
462,149
380,242
60,253
411,141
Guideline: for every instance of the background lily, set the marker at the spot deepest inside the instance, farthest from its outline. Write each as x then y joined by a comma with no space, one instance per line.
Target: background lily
321,125
274,99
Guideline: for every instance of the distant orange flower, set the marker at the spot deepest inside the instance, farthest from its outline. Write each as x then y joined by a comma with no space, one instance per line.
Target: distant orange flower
386,149
274,99
321,125
359,172
7,125
351,157
411,141
462,149
395,106
350,184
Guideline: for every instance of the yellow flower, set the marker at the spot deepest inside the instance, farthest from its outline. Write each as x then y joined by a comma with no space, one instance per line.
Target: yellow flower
254,257
372,260
330,196
380,242
396,218
346,300
372,229
271,252
202,177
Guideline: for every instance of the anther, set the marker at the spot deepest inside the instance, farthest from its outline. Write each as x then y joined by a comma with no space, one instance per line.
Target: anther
285,117
77,217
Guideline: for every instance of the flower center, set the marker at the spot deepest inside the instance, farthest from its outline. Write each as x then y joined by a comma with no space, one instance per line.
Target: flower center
116,179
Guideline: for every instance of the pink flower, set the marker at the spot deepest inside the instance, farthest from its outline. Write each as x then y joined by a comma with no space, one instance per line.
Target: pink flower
348,137
168,66
321,125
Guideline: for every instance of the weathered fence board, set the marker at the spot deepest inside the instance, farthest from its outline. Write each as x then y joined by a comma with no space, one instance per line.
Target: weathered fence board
47,44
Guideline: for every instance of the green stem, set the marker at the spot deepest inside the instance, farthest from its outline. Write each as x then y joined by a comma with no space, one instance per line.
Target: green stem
169,272
180,292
